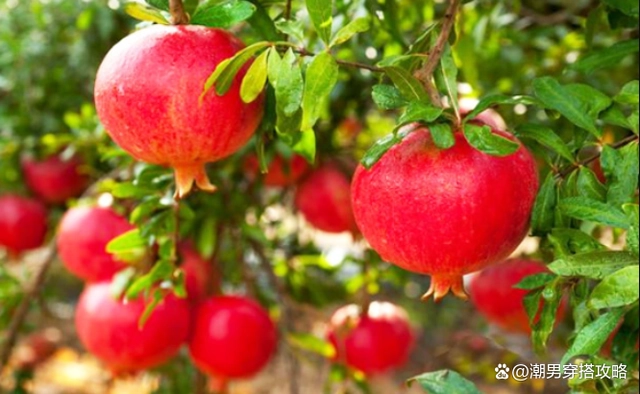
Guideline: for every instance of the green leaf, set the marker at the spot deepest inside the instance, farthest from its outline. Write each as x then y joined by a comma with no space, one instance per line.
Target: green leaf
568,241
621,168
224,74
387,97
158,296
628,7
588,209
442,135
594,265
207,237
262,23
255,78
541,330
446,77
632,120
126,242
444,381
159,4
290,27
547,137
224,15
633,234
144,12
320,13
163,269
380,147
614,116
289,86
408,85
491,100
419,111
535,281
607,57
531,304
591,338
555,96
481,138
306,145
311,343
357,25
617,289
131,190
321,76
629,94
593,100
543,214
589,186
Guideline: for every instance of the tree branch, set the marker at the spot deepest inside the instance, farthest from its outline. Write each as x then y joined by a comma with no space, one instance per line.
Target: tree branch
425,74
178,15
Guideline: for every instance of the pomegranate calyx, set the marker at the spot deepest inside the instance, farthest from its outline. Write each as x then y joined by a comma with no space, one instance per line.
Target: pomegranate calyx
441,285
186,176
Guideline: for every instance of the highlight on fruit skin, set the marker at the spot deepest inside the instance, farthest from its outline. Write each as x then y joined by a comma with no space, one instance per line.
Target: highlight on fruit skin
148,96
444,213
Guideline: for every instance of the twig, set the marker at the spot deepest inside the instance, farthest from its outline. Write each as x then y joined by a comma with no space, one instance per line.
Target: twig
425,74
178,15
21,312
305,52
563,174
366,298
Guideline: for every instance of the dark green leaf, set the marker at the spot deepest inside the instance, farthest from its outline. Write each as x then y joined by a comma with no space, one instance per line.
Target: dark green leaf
594,265
546,137
583,208
224,74
320,12
446,77
633,120
158,296
144,12
535,281
288,127
162,270
357,25
410,88
380,147
628,7
224,15
444,382
555,96
531,304
255,78
629,94
589,186
262,23
593,100
567,241
311,343
617,289
387,97
491,100
633,234
442,135
591,338
160,4
621,168
321,76
607,57
481,138
419,111
541,330
542,216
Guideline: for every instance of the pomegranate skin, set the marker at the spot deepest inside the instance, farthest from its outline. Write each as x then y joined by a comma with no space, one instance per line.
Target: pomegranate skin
444,213
198,272
54,180
375,343
233,337
324,199
148,96
492,293
489,116
108,328
280,172
83,235
23,224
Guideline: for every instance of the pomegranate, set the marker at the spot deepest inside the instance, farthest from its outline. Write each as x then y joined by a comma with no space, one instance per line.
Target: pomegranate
109,329
374,343
148,96
53,179
444,212
23,224
233,337
198,272
83,236
323,198
489,116
493,294
280,172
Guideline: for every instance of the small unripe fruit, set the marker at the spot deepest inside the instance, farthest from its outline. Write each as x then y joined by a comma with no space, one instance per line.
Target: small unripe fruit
109,329
233,337
374,343
23,224
53,179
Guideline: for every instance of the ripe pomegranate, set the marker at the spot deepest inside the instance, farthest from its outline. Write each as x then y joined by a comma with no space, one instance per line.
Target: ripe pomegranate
444,212
198,272
280,172
148,96
489,116
53,179
233,337
109,329
83,236
23,224
374,343
493,294
323,198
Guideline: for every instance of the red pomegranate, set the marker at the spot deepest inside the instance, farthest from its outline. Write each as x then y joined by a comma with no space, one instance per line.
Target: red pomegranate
233,337
198,272
280,172
493,294
323,198
374,343
444,212
109,329
23,224
53,179
83,236
148,96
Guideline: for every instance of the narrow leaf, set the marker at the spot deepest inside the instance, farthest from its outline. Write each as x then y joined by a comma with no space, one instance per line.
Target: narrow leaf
311,343
224,15
618,289
144,12
446,77
607,57
419,111
633,234
387,97
589,186
291,27
543,215
444,382
408,85
481,138
255,78
357,25
591,338
320,13
594,265
321,76
126,242
442,135
629,94
380,147
588,209
492,100
546,137
535,281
